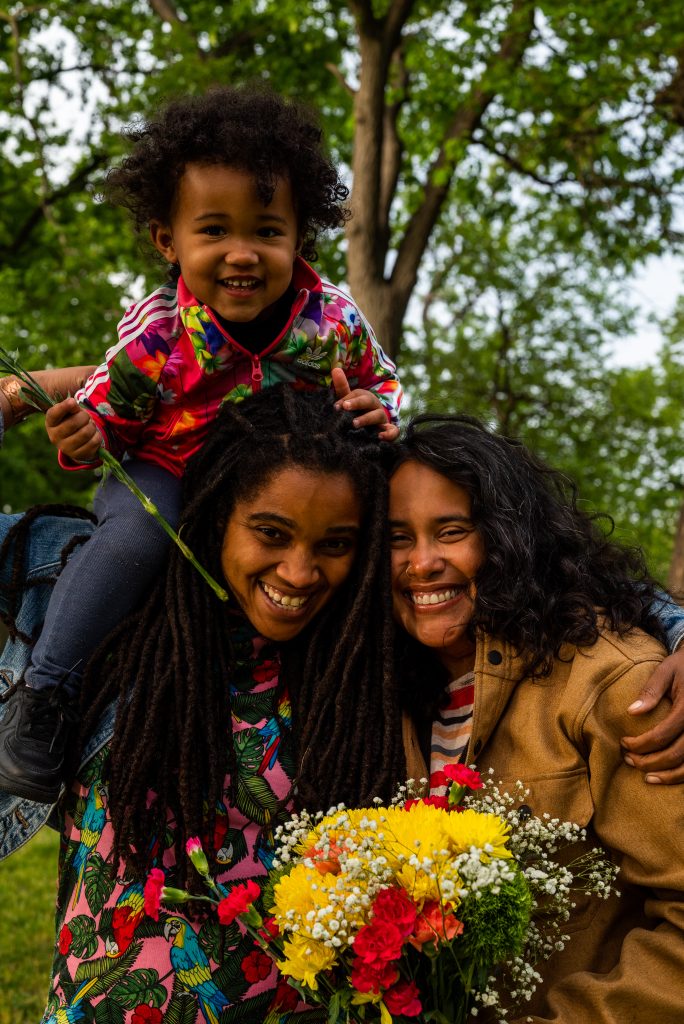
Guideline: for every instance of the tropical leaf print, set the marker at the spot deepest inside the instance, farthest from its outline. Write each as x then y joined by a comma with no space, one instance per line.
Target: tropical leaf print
255,798
140,986
249,750
229,976
248,1010
84,939
99,883
182,1009
109,1012
216,940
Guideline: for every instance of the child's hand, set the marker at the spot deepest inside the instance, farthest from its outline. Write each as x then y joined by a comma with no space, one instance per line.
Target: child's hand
660,751
71,429
357,401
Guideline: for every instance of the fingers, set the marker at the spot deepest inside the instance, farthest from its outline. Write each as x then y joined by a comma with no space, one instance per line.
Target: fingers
664,767
389,432
658,685
340,383
71,429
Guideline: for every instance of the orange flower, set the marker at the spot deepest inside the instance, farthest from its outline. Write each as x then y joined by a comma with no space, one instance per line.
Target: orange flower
435,924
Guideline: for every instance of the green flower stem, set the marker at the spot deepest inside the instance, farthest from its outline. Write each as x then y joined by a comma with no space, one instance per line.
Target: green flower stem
36,395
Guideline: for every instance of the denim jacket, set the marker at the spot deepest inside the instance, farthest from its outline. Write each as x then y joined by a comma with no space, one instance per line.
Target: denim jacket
19,818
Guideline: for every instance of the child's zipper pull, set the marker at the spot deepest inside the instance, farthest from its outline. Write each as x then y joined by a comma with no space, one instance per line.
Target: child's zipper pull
257,373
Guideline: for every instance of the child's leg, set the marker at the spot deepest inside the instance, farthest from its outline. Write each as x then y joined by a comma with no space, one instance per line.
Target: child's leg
102,581
106,578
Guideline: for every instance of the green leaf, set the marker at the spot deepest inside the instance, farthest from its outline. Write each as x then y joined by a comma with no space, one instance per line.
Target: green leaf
107,971
255,798
247,1010
229,976
214,938
84,941
109,1012
140,986
99,883
181,1009
249,749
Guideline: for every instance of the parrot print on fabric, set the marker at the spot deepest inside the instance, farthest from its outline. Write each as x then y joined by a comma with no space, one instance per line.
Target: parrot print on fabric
110,954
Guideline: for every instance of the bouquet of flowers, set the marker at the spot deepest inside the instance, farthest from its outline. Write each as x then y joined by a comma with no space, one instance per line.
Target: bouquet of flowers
422,910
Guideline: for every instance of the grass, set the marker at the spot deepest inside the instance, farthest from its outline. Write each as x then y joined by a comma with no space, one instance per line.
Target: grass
28,881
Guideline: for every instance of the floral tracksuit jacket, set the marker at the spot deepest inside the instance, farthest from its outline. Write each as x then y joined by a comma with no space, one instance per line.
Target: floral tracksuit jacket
174,365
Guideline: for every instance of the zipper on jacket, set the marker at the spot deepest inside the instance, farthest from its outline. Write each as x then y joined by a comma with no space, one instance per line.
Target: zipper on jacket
257,372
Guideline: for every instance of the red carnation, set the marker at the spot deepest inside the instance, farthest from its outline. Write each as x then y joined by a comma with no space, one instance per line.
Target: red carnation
65,939
368,978
144,1014
462,775
429,801
402,1000
378,942
153,892
256,966
438,779
240,899
269,929
396,906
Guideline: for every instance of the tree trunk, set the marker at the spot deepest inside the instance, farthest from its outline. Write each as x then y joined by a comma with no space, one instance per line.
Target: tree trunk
675,579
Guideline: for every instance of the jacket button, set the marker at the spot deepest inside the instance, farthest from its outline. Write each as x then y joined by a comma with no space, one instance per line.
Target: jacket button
495,657
478,747
524,812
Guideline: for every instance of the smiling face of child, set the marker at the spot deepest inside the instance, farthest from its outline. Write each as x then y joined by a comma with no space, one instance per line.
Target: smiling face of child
235,254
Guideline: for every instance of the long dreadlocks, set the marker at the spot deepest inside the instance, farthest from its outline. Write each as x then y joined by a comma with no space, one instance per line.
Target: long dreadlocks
170,664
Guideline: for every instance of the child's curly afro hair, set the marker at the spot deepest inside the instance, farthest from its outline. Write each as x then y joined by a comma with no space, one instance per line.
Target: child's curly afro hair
248,127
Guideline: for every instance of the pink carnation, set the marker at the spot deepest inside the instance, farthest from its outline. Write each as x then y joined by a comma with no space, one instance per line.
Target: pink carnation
153,892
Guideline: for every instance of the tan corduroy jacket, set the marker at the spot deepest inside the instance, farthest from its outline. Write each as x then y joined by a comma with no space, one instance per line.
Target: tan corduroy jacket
624,963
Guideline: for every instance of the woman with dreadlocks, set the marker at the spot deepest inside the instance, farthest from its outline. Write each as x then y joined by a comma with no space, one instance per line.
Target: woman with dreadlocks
256,706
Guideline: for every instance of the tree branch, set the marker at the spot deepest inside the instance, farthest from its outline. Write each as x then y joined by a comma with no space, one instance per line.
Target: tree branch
23,234
166,10
466,120
337,74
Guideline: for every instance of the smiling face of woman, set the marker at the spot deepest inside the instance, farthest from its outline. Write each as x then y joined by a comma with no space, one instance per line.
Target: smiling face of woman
436,552
289,547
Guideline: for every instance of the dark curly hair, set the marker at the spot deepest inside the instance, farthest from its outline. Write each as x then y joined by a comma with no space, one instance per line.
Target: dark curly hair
171,663
249,128
551,574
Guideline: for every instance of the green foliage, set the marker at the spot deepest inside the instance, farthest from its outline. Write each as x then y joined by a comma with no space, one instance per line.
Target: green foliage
495,922
550,129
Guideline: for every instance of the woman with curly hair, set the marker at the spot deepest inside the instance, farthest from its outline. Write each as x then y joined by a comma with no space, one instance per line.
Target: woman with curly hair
233,188
526,641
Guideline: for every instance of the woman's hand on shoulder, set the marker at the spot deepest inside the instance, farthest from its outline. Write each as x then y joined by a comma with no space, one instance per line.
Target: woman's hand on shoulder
659,753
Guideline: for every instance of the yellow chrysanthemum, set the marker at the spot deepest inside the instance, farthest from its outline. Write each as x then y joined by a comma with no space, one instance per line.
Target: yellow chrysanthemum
303,890
417,832
304,959
487,832
337,826
419,885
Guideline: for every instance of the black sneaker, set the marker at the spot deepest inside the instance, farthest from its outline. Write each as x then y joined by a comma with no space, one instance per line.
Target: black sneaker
34,733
